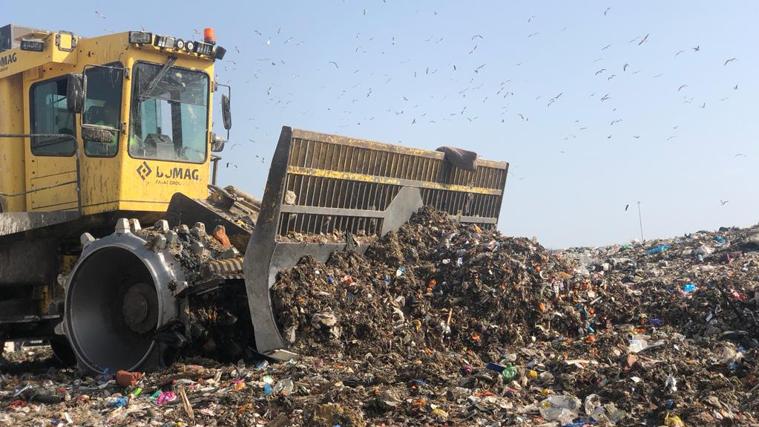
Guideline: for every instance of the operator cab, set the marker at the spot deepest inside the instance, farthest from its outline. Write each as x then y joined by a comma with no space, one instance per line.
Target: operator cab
119,122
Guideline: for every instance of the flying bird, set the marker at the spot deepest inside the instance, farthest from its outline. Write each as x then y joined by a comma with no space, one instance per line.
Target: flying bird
643,40
740,155
735,87
681,87
600,71
679,52
606,47
723,202
697,48
477,36
729,60
335,64
627,206
607,10
624,67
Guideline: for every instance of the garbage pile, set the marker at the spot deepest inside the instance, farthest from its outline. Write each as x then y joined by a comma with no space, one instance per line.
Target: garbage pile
442,323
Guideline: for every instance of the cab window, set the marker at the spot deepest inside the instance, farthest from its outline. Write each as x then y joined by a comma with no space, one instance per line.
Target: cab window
103,106
169,117
50,115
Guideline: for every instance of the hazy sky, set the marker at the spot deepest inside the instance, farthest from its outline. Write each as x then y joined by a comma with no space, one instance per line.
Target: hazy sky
619,101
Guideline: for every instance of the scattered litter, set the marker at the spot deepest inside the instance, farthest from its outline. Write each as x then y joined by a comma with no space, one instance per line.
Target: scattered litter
474,329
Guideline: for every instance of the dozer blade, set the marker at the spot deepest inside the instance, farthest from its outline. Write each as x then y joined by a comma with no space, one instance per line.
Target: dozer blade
328,185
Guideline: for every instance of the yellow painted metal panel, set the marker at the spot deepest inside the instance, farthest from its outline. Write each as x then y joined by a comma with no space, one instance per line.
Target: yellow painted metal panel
12,149
15,61
349,176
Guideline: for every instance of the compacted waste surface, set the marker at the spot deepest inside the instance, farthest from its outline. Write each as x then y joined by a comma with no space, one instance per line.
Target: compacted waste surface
443,323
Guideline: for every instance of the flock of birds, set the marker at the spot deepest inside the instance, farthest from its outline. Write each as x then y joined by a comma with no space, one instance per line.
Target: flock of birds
477,95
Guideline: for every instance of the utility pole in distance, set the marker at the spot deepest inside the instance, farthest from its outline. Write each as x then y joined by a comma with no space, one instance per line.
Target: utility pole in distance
640,221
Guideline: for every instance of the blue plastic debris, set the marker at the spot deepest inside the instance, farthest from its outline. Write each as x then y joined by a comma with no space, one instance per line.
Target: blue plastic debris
118,402
658,249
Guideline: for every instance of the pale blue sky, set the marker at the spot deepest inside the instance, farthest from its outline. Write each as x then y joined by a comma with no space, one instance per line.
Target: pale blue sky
572,170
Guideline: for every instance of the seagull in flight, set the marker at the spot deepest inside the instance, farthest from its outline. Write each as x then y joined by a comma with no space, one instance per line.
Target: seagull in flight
729,60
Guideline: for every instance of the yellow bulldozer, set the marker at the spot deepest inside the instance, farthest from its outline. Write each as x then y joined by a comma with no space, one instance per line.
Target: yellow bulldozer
102,135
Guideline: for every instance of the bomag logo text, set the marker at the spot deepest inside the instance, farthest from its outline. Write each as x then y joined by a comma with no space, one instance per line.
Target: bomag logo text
178,173
8,59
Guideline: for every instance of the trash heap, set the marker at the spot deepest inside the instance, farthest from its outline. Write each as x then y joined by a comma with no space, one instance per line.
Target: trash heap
442,323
